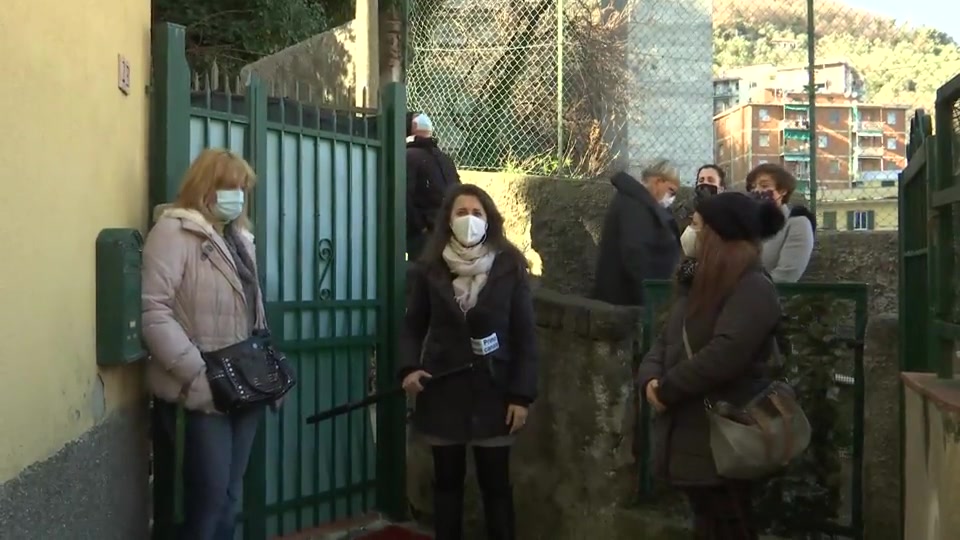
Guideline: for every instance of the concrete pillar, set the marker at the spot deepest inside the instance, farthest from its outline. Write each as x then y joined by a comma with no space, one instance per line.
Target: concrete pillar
366,58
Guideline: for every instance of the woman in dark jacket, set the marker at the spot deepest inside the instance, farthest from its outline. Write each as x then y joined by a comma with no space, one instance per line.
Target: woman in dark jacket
730,310
470,272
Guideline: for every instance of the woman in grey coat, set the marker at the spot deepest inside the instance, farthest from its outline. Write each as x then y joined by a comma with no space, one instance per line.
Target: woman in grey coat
787,254
729,310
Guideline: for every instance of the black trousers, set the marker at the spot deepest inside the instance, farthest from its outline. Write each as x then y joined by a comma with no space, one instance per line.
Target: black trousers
493,476
723,512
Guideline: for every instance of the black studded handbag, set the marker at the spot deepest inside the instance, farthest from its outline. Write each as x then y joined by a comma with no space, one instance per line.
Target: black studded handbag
248,373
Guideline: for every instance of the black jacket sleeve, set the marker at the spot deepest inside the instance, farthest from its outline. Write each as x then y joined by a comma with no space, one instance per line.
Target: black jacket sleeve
416,321
415,218
522,387
636,230
748,318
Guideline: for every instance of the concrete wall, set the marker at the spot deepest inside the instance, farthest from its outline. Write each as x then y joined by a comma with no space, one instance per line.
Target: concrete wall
671,55
74,155
322,67
931,458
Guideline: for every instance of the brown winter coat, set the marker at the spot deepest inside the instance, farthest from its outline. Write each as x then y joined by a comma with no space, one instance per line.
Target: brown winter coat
193,301
731,348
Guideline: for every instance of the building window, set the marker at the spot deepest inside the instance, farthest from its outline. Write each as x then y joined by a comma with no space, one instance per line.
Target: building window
830,221
834,117
764,115
764,139
860,220
890,165
835,166
891,118
822,141
891,143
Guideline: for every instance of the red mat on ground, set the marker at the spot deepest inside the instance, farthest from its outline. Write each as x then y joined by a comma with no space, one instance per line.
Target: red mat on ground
394,532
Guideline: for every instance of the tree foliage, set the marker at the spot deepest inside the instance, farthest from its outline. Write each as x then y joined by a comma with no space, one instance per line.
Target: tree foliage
899,63
236,32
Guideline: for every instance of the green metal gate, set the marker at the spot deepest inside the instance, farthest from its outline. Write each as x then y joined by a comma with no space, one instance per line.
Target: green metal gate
328,215
914,248
929,197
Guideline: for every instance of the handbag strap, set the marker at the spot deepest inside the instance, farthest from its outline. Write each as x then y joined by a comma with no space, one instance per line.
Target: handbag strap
787,416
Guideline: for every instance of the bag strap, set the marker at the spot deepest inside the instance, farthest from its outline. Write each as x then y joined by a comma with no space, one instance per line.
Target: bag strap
180,436
787,416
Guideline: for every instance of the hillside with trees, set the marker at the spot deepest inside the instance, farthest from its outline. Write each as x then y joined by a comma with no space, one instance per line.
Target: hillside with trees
899,63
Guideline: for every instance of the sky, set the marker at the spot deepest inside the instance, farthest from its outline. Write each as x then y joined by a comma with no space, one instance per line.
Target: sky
944,15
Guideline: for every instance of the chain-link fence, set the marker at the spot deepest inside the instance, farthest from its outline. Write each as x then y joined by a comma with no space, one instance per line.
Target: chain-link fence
530,86
577,87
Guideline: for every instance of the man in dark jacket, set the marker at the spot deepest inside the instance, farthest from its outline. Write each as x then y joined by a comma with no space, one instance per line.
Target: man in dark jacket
430,172
639,239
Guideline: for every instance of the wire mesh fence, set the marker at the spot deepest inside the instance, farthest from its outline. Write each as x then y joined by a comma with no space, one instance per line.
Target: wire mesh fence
575,88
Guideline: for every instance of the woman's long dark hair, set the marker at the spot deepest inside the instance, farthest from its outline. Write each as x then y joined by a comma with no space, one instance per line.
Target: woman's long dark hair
432,256
720,265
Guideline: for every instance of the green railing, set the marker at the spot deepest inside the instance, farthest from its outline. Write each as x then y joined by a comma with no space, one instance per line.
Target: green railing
328,209
822,491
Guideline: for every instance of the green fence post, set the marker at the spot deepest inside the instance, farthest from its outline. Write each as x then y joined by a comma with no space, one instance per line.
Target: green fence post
391,413
170,113
942,214
255,479
812,98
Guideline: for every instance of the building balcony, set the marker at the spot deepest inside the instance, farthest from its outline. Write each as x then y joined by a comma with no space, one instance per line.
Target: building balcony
796,153
869,152
866,127
795,125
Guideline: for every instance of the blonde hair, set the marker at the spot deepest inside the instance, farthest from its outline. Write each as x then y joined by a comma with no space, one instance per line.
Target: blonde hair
662,168
216,168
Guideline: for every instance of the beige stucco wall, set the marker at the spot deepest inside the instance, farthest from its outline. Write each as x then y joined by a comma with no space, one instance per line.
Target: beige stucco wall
931,469
73,153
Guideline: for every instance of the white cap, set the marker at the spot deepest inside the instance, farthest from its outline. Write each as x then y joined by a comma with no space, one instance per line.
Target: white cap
422,125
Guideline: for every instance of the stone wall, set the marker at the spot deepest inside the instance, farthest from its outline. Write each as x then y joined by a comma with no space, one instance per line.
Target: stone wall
557,224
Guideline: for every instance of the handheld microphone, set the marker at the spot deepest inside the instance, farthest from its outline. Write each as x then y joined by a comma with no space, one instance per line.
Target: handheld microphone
484,341
483,336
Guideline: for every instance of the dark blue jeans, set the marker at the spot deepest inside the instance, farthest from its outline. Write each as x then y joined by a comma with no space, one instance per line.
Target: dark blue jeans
216,451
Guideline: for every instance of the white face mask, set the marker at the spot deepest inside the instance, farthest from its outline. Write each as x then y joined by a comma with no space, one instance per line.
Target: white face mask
229,204
469,230
688,241
667,200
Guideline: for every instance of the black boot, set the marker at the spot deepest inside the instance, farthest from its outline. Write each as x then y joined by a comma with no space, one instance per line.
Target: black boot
498,511
448,514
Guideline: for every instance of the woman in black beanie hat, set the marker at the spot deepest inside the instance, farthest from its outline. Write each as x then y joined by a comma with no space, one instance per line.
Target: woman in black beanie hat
729,310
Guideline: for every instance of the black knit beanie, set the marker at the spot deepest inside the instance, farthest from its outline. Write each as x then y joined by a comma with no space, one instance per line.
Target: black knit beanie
735,216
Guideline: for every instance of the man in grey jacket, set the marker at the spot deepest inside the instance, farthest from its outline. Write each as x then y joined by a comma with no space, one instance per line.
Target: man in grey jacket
787,254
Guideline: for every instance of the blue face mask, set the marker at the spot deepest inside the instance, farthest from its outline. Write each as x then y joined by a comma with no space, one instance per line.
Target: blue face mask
229,204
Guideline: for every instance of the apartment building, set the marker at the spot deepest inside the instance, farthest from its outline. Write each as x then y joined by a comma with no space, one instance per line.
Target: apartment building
858,144
747,84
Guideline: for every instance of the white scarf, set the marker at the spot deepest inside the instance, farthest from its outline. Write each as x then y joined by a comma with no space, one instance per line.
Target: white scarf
471,266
